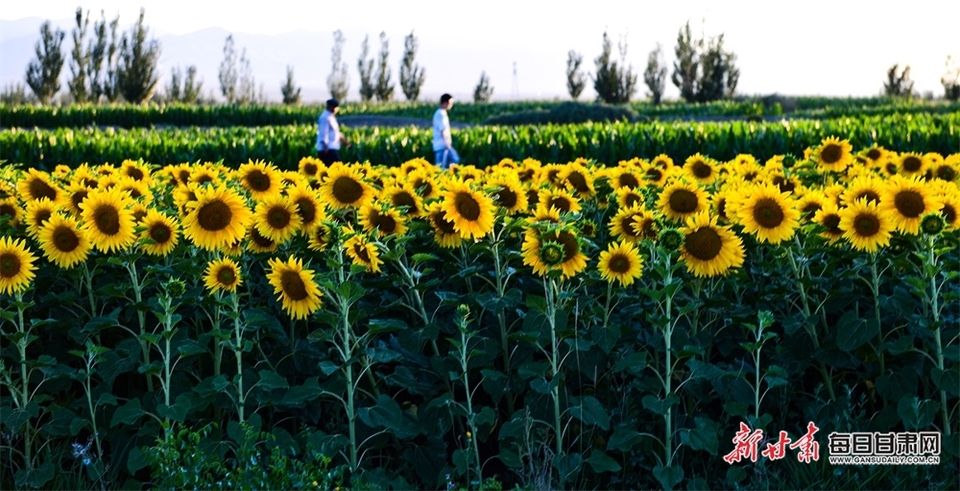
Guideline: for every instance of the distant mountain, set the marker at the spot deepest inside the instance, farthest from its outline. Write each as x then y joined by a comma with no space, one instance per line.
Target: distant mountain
447,69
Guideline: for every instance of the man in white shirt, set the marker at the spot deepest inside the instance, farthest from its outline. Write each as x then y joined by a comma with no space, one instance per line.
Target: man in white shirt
329,137
442,140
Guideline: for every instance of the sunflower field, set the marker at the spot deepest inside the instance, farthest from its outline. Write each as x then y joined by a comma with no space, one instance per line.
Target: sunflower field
528,324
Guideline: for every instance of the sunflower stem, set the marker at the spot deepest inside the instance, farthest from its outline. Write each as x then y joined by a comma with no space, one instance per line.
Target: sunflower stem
668,380
22,342
238,352
798,274
141,317
549,287
935,309
498,268
606,307
875,289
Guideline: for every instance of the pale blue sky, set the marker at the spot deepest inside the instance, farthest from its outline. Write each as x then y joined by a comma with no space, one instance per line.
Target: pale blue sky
812,47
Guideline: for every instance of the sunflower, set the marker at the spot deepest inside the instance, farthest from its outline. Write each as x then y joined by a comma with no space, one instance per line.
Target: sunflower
344,187
624,177
810,203
951,210
404,198
63,242
311,167
75,193
865,225
509,193
424,183
544,214
681,200
554,249
219,217
10,210
620,262
136,170
828,217
362,252
946,170
662,161
906,201
108,220
875,154
319,236
708,249
258,243
295,287
16,265
646,225
308,206
628,197
578,178
222,274
701,169
912,164
137,190
862,187
38,211
622,224
160,234
260,179
833,154
769,214
36,185
276,218
444,233
381,219
470,211
560,199
205,174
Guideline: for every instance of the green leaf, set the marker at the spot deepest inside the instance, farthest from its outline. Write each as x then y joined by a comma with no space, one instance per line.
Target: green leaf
601,462
853,332
668,476
635,362
624,438
916,414
300,394
380,326
270,380
703,437
946,380
127,414
328,367
658,405
590,411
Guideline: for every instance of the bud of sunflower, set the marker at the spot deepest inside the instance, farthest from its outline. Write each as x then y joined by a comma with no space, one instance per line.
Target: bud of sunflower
932,224
175,287
671,239
551,253
587,228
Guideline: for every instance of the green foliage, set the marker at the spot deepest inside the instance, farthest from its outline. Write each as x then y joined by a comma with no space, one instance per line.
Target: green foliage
951,81
137,69
898,84
412,75
43,73
228,71
565,113
703,71
615,83
339,80
483,91
365,67
102,68
15,94
183,90
576,79
289,89
383,88
79,59
655,75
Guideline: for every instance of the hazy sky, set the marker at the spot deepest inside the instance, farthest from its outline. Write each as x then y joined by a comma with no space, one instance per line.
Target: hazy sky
835,47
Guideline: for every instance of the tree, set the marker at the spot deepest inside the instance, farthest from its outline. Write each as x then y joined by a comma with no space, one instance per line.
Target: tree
655,75
15,94
247,85
703,71
43,74
183,89
365,67
137,72
411,75
111,85
951,81
102,66
685,68
384,86
290,91
898,85
79,60
576,79
612,82
228,71
626,79
483,91
339,80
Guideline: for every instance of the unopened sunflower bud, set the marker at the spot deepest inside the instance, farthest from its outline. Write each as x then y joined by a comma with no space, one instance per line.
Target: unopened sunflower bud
932,224
551,253
671,239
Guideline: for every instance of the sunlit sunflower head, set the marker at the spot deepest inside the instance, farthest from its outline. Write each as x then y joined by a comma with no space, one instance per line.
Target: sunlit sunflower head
319,236
16,266
906,201
136,170
260,179
470,211
626,177
810,203
865,226
628,197
948,169
663,161
911,164
222,275
554,248
258,243
205,175
708,249
828,217
680,200
874,154
622,224
786,184
307,204
10,211
865,187
508,193
295,287
701,169
424,183
160,235
363,252
381,219
833,154
276,218
74,194
646,225
344,187
35,184
560,199
219,217
621,262
404,198
444,233
63,242
310,167
38,211
578,179
950,211
139,191
769,214
108,219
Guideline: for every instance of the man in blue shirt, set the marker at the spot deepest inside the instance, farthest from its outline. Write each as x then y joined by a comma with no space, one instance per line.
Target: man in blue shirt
329,137
442,140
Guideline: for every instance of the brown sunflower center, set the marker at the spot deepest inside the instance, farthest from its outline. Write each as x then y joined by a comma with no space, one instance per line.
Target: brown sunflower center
310,169
78,196
384,222
424,187
361,251
9,265
135,173
40,217
561,203
645,227
722,208
258,180
873,154
278,217
203,178
134,192
866,224
107,219
831,153
260,240
533,197
627,225
160,233
620,264
214,216
785,185
404,198
293,286
506,197
442,224
65,239
703,244
949,213
347,190
946,173
701,170
810,208
226,276
869,194
627,179
40,189
631,199
912,163
525,175
579,182
306,209
683,201
832,224
467,206
7,209
768,213
909,203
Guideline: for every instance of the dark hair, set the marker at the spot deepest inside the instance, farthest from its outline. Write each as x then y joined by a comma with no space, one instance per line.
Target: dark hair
332,103
445,98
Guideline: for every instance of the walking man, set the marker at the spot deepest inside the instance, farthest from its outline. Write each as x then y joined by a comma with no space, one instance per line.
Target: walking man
329,137
442,140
